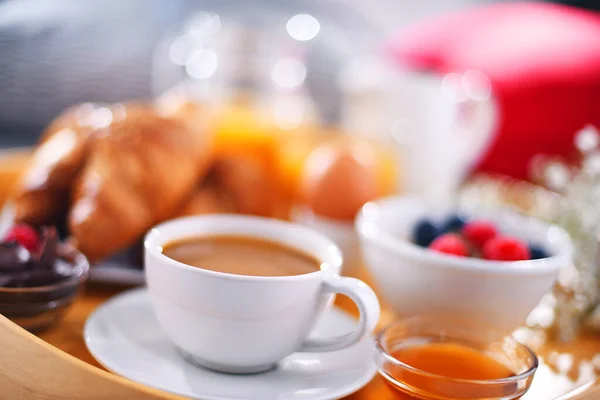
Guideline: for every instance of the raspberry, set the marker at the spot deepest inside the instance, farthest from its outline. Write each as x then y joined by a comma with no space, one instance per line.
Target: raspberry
478,232
505,248
23,234
450,243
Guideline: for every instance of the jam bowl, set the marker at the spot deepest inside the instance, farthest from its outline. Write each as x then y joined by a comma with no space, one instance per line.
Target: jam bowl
417,280
43,299
439,358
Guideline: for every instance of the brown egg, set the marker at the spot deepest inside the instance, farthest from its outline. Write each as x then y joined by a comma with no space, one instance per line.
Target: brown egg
338,178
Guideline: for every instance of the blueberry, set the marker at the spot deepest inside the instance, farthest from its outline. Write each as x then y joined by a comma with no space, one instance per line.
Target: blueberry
424,232
537,252
453,223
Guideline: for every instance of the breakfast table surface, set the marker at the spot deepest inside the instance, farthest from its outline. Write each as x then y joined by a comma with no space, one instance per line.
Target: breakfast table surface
565,367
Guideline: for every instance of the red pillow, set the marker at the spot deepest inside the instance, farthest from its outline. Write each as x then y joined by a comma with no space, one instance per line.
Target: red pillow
543,61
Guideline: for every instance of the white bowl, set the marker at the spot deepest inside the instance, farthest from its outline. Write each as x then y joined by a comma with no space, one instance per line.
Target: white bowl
417,281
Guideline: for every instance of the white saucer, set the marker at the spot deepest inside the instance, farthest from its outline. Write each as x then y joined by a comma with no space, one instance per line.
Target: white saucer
124,336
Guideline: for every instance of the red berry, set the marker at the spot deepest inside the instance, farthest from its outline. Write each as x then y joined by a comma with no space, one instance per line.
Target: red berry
506,248
479,231
23,234
450,243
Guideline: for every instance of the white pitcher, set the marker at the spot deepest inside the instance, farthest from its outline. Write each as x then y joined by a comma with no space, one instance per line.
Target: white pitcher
440,126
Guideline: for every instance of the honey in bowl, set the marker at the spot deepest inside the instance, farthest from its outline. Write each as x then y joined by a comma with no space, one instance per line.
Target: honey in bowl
452,360
449,360
426,358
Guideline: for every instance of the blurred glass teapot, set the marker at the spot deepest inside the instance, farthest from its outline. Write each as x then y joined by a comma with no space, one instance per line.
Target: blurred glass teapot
282,58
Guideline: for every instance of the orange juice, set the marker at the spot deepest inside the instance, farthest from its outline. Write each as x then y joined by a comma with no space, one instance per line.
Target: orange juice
246,137
239,127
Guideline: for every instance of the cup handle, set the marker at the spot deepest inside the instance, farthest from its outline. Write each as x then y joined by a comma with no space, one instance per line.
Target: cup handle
368,306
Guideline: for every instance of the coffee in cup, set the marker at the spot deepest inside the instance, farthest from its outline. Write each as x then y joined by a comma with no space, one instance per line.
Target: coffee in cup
241,255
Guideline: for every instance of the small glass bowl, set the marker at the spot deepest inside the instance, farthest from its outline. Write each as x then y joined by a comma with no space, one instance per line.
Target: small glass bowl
37,308
412,383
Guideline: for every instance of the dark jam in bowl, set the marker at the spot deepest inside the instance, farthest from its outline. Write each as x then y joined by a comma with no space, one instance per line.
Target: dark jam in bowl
37,289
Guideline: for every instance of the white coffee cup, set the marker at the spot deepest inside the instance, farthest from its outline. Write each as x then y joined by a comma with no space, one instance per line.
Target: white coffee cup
244,323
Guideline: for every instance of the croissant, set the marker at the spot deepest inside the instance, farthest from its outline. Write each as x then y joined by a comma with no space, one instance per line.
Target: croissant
139,170
207,199
247,183
41,195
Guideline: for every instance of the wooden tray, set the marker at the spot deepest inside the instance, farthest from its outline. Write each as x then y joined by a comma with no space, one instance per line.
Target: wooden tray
569,370
566,369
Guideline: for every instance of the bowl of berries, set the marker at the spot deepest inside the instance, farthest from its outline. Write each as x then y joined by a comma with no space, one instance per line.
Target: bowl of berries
40,276
491,265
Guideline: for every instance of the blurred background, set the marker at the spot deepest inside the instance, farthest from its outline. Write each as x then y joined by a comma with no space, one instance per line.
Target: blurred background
57,53
539,59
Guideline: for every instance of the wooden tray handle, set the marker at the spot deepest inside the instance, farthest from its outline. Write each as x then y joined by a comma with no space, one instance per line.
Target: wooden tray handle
32,369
